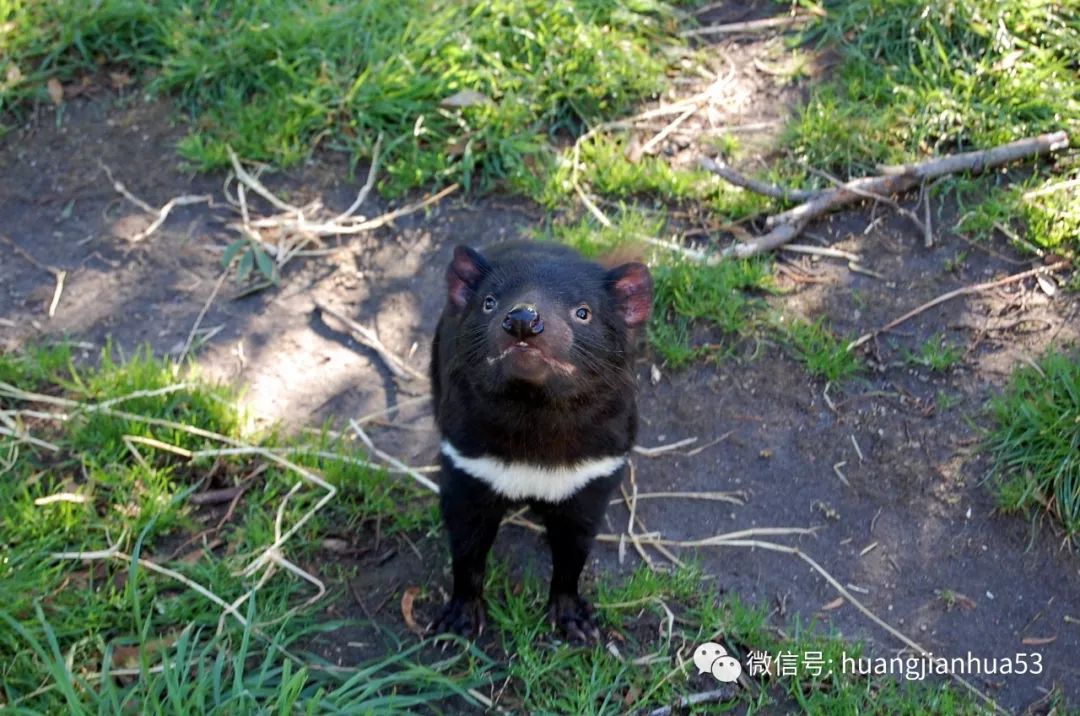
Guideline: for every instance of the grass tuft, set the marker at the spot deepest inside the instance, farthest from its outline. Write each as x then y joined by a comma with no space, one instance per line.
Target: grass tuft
819,350
689,296
1035,440
936,353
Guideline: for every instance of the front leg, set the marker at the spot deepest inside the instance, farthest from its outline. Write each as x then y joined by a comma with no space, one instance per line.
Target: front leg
571,528
472,513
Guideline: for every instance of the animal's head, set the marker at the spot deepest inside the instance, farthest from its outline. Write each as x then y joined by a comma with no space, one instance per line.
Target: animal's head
540,315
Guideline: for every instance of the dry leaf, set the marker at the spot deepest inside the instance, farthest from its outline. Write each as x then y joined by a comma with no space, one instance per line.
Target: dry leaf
1038,640
1008,61
407,600
131,227
465,98
127,657
456,147
964,601
1047,285
336,545
632,695
56,90
119,80
633,150
13,76
834,604
191,557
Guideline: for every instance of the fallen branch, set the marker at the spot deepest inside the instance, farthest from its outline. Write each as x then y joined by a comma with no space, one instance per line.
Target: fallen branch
257,186
334,228
758,187
873,196
852,259
977,288
735,498
894,180
361,197
164,211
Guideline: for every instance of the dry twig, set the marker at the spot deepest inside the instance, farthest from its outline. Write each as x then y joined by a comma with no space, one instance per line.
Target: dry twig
733,28
202,314
160,214
58,274
661,449
966,290
367,337
360,433
758,187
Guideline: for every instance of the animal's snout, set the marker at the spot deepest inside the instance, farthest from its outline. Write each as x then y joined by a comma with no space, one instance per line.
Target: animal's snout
522,321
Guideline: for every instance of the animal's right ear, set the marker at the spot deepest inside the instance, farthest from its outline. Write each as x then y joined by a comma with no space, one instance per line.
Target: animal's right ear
464,274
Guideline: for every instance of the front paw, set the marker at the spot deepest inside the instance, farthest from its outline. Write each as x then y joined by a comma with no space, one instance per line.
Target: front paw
464,617
574,618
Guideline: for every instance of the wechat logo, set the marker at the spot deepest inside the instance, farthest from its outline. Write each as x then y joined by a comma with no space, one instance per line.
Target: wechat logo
713,659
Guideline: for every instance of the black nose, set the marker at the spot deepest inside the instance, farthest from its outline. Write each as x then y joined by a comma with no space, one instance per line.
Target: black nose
523,321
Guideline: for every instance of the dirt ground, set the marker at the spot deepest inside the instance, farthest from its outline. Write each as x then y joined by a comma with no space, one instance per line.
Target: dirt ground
913,522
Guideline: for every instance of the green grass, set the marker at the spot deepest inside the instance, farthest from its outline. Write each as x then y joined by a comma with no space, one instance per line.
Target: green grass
936,353
1035,440
690,296
630,226
275,79
67,621
1036,213
547,678
822,353
605,170
919,79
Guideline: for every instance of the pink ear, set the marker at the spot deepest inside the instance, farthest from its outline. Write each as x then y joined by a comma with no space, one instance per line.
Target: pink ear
631,284
463,275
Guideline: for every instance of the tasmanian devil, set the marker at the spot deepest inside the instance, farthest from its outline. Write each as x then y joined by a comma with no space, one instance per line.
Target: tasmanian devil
534,388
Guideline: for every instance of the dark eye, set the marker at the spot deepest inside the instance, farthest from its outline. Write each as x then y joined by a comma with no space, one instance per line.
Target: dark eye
489,304
583,313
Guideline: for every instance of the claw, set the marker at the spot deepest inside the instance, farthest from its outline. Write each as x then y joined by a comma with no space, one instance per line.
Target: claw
574,617
464,617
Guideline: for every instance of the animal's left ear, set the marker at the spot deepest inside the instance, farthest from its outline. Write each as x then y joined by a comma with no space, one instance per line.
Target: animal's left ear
631,285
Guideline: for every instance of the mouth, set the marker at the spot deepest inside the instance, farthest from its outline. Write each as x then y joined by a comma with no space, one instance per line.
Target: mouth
526,358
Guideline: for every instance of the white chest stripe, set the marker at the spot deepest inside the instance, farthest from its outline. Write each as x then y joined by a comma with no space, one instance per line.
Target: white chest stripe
520,481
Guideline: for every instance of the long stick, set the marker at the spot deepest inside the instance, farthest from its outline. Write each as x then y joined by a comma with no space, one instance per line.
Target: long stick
895,180
758,187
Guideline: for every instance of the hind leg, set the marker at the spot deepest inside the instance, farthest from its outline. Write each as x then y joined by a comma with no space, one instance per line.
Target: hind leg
571,528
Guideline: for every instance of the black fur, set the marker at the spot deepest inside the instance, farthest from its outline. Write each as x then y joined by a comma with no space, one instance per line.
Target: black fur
553,395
